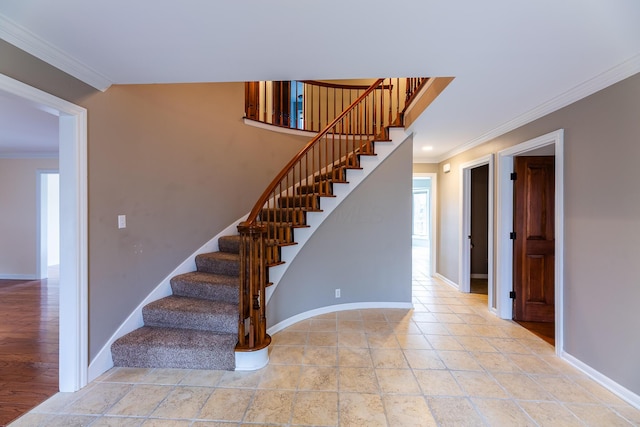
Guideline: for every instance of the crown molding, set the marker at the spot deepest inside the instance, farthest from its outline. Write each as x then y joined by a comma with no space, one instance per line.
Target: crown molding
589,87
24,39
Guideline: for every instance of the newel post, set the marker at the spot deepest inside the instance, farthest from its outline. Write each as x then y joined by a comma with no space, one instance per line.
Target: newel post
252,324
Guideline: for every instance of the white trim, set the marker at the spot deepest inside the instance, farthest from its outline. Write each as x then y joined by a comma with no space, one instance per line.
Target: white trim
26,40
279,129
504,246
252,360
446,281
617,389
464,264
334,308
589,87
103,361
433,232
18,277
30,155
74,338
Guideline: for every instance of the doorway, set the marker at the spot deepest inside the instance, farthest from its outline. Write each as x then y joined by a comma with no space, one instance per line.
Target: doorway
476,225
479,236
423,221
533,241
73,295
49,223
545,145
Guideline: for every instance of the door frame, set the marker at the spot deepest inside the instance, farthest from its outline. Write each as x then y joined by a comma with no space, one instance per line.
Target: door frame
73,306
42,229
464,266
433,199
504,247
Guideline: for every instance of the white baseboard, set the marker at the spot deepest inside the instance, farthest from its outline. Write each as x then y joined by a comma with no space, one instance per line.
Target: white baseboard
620,391
447,281
103,360
18,277
479,276
332,309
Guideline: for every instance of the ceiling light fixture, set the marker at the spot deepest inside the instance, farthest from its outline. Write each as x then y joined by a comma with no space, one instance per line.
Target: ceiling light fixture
427,148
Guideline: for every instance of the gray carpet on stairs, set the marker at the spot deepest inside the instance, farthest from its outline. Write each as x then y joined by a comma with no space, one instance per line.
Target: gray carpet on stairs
192,313
150,347
197,326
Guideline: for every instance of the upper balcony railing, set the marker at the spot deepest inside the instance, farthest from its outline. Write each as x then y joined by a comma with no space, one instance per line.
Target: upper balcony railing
311,105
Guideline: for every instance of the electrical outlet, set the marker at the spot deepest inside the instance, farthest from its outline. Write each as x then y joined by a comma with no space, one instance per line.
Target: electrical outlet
337,293
122,221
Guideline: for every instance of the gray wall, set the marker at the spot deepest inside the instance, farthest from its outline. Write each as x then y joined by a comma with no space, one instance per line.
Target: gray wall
602,225
363,247
181,164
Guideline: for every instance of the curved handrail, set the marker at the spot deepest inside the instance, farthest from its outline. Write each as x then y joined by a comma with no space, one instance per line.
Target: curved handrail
253,215
297,189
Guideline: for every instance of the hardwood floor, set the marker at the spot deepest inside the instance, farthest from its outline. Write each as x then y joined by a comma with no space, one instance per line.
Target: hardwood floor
546,331
28,344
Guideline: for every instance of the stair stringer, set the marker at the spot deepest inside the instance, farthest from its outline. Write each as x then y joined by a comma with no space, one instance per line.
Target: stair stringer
103,360
383,149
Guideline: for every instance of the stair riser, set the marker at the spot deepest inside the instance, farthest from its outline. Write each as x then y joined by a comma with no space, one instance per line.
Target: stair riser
217,266
184,358
308,202
321,188
283,234
222,293
333,175
229,244
296,217
222,323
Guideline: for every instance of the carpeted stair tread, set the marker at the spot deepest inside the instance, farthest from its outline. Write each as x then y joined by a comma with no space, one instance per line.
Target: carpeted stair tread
192,313
215,287
219,263
150,347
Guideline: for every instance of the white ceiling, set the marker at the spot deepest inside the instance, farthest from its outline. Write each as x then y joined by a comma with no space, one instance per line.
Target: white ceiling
513,61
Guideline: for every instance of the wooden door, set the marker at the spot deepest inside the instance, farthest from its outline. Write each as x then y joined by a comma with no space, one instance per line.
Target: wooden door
281,103
534,243
252,100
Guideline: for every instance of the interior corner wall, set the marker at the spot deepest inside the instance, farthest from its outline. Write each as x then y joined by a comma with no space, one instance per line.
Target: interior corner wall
601,224
179,162
363,248
19,216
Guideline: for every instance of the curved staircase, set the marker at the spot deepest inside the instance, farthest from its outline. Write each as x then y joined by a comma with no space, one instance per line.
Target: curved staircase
197,326
219,309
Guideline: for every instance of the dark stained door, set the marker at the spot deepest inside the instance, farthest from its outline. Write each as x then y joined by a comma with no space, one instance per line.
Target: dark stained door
252,100
534,243
281,103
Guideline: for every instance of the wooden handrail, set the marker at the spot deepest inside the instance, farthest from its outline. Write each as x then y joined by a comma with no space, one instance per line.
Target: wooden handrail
297,188
338,85
267,192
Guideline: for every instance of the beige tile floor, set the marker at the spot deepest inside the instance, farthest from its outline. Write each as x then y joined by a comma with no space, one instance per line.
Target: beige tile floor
447,362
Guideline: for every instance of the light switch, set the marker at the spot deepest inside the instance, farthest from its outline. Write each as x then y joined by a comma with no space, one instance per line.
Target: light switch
122,221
